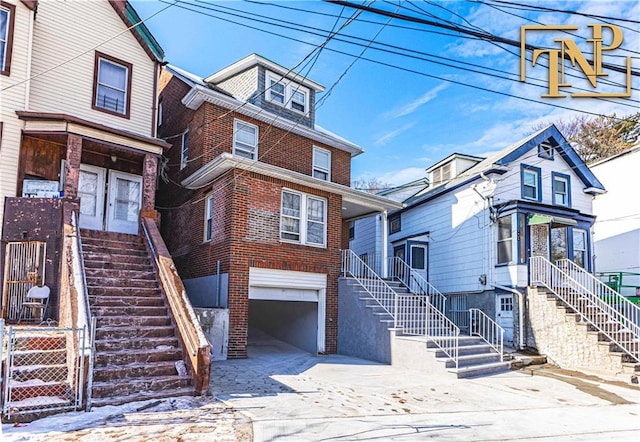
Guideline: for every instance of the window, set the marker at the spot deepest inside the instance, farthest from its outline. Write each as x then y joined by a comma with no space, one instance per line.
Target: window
505,240
545,150
245,140
580,247
7,14
287,94
352,230
303,218
441,174
160,114
531,183
112,85
321,164
522,243
394,224
184,152
418,257
561,189
208,218
559,249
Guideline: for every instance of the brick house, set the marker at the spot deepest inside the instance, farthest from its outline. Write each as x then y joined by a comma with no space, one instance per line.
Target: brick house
255,200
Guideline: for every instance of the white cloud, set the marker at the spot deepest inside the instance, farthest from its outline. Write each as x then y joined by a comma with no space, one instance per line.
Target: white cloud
412,106
403,176
385,138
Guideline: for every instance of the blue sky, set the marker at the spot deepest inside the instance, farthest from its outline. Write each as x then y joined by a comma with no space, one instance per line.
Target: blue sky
391,104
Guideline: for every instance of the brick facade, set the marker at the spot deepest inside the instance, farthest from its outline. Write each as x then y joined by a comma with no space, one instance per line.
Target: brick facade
246,208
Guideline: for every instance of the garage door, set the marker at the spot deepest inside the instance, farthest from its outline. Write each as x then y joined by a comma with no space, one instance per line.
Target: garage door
285,285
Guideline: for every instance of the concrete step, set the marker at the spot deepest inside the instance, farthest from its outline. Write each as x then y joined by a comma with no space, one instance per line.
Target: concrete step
467,350
480,370
38,357
40,342
87,234
30,390
137,356
138,292
126,275
112,373
462,340
127,301
133,321
120,332
129,311
136,343
116,259
54,372
91,251
93,281
142,266
142,396
471,360
130,386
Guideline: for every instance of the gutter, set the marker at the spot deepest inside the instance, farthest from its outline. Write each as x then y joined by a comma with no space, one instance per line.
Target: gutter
520,311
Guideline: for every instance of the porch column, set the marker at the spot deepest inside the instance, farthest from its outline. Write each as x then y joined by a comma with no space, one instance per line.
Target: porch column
72,166
385,246
149,173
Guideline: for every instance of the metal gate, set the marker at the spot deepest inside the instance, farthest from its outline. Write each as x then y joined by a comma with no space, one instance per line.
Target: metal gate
459,313
24,265
44,369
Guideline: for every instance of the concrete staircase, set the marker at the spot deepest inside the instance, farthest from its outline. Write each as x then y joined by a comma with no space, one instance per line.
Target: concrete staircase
138,355
476,357
560,333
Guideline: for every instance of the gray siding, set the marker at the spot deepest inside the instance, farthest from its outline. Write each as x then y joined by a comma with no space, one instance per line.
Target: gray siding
243,85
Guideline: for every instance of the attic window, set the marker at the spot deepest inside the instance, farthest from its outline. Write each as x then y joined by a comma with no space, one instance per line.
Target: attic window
287,94
545,150
112,85
441,174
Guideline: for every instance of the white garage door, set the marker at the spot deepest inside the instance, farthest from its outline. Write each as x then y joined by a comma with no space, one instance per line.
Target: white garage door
285,285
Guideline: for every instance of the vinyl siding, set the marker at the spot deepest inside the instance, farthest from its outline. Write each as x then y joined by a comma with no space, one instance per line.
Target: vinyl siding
368,236
11,100
66,30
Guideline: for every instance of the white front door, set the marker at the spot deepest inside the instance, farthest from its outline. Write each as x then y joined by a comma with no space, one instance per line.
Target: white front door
125,199
419,259
91,193
504,309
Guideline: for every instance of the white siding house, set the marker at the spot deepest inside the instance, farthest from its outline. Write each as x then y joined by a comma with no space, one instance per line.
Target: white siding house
617,229
473,232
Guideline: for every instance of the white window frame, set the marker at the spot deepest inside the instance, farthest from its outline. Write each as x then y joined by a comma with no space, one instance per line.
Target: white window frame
565,195
317,167
303,219
208,218
184,149
535,174
290,90
508,240
242,147
125,91
4,39
585,256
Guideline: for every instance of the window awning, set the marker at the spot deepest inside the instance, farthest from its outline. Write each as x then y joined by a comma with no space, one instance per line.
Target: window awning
548,219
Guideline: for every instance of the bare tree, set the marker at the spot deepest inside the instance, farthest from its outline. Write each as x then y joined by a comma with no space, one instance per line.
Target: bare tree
370,185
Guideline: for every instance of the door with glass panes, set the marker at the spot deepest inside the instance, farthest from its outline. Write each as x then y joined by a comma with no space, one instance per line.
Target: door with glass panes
124,198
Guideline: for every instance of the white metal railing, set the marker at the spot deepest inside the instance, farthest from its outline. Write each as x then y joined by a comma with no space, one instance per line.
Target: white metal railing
482,325
377,287
596,303
415,282
443,333
80,277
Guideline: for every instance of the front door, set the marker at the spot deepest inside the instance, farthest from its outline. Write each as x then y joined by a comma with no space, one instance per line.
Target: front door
504,309
91,193
540,240
125,199
419,260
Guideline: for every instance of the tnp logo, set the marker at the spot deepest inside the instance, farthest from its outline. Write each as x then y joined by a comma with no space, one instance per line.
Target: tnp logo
568,50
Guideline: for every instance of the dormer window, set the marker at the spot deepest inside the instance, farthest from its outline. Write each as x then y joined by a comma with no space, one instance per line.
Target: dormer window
287,94
441,174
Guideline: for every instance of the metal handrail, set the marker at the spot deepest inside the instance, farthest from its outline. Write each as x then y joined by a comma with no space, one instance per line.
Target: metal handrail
83,282
585,296
443,333
483,326
371,282
414,281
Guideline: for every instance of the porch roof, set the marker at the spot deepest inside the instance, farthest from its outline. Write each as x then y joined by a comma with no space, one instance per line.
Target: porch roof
355,203
54,123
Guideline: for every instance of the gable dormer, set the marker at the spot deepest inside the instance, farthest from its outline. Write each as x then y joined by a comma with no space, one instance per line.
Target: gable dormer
271,87
451,167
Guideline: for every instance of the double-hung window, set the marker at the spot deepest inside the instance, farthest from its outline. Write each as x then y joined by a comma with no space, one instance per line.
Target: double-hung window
303,219
245,140
531,188
561,189
286,93
208,218
184,151
112,85
395,224
505,240
7,13
321,164
580,247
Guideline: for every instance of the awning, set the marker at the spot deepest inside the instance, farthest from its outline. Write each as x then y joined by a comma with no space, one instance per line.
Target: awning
547,219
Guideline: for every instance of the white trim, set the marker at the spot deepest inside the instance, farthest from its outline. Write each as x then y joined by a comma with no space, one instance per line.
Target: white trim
208,215
241,148
113,224
303,219
289,89
199,94
184,157
127,78
320,169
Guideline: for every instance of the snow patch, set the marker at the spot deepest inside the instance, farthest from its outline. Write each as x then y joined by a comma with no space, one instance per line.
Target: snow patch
181,368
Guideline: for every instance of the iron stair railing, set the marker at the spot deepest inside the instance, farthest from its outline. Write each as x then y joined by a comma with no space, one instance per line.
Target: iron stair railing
597,304
483,326
416,284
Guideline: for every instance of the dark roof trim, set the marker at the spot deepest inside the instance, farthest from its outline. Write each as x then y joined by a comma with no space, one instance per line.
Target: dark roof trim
544,209
130,17
31,4
565,149
32,116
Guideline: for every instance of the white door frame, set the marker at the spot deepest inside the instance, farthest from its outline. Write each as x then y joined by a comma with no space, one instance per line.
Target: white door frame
505,320
93,222
112,224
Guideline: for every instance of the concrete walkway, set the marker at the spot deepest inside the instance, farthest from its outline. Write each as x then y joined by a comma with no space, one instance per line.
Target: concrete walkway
293,396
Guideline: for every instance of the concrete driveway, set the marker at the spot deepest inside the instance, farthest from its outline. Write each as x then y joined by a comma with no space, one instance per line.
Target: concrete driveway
293,396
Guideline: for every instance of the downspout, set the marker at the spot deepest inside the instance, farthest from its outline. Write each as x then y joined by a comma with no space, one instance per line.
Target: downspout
520,311
385,245
27,86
